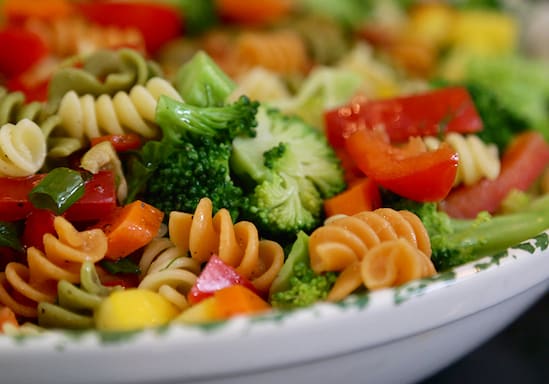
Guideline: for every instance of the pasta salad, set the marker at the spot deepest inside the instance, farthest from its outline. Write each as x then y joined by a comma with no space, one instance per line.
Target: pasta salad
180,162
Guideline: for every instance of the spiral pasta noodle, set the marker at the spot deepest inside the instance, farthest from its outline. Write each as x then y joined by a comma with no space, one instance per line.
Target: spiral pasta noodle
281,51
71,36
14,108
23,286
101,72
75,304
238,245
86,117
477,160
343,244
22,149
168,271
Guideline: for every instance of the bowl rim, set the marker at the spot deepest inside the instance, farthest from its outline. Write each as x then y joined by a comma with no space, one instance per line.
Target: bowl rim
365,303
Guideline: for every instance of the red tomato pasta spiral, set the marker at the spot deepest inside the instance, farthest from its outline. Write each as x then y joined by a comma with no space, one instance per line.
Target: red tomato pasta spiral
203,235
343,244
23,286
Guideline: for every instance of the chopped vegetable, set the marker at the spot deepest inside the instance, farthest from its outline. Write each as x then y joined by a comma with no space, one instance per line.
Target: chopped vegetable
297,285
430,113
20,49
363,195
130,227
58,190
133,309
158,23
121,143
410,171
215,276
38,223
522,164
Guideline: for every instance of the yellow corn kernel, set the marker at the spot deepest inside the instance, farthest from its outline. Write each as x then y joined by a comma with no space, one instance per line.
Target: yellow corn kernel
133,309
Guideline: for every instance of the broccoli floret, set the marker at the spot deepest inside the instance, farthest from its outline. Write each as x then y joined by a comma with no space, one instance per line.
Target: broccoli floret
191,161
182,121
457,241
287,170
297,285
191,171
306,288
201,82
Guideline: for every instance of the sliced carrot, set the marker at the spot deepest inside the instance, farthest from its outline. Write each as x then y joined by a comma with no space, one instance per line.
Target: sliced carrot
7,316
362,195
254,12
238,300
130,228
20,10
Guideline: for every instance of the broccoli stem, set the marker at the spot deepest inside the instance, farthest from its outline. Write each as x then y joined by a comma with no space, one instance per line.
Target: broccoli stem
500,232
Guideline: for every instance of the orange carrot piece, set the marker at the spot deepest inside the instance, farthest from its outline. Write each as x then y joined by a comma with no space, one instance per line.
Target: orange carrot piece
254,12
19,10
239,300
130,228
7,316
362,195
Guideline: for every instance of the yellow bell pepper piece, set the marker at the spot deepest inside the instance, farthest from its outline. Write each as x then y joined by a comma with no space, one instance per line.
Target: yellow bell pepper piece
133,309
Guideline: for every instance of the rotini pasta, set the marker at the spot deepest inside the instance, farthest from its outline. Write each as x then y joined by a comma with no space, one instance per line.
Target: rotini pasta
22,149
86,117
203,235
102,72
23,286
75,304
477,160
13,108
168,271
343,243
281,51
72,36
103,156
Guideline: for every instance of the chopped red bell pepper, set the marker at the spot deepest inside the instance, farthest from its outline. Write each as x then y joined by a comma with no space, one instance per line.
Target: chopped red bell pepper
215,276
158,23
99,198
38,223
522,163
409,171
424,114
20,49
120,143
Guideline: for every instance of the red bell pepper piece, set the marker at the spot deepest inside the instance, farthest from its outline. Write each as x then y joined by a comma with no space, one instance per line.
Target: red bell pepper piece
38,223
99,198
426,114
522,163
20,49
120,143
215,276
158,23
409,171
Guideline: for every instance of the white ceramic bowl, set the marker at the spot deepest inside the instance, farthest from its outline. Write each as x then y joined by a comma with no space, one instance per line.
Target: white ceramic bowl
397,335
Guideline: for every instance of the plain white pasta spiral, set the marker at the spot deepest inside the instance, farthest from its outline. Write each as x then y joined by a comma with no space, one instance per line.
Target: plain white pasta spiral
22,149
88,117
477,160
165,270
